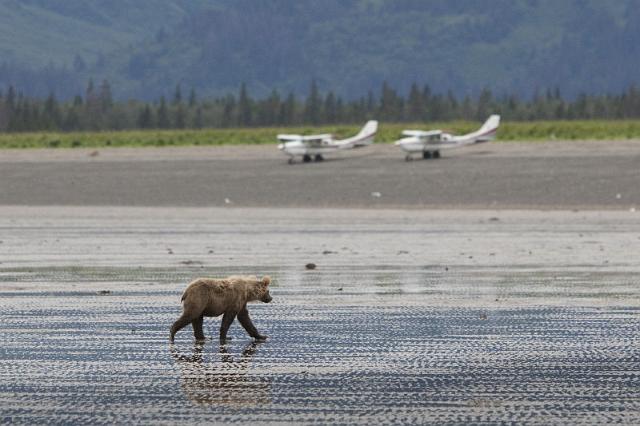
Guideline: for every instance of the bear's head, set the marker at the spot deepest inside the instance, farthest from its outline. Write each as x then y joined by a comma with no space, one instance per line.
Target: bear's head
263,289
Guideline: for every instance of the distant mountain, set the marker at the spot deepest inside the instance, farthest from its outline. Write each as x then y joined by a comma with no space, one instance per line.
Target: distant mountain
145,48
58,45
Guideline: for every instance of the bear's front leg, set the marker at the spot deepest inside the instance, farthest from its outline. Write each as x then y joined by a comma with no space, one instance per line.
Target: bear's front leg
227,319
245,321
197,328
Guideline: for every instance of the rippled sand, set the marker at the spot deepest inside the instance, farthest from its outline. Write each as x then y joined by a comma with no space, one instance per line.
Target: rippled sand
419,316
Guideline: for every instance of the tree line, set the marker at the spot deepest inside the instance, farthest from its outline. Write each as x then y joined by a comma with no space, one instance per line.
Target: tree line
97,110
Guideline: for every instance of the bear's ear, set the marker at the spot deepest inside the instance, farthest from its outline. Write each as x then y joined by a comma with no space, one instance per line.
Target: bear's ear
266,280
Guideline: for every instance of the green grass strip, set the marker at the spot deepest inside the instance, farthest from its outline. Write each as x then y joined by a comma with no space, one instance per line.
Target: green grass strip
388,132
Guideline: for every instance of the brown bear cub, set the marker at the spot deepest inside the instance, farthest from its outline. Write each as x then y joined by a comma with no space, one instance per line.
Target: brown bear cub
211,297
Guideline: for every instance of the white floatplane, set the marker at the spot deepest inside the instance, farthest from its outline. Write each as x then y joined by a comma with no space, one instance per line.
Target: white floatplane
430,142
313,147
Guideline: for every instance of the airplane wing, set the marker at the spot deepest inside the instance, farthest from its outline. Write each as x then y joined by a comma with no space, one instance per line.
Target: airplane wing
421,133
288,138
309,139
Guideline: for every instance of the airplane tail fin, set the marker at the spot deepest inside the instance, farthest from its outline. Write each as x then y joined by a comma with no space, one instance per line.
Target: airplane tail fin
367,134
488,130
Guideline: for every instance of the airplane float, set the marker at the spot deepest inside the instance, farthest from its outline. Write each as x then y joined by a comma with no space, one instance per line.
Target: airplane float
430,142
314,147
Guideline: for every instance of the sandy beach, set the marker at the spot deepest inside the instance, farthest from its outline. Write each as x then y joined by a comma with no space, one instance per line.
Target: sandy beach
535,175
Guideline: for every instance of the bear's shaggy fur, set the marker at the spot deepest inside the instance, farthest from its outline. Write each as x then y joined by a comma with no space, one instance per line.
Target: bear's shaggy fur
211,297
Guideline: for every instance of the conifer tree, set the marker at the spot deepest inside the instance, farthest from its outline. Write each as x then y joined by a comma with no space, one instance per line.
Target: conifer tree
339,114
228,111
163,114
312,108
415,104
177,95
180,120
390,107
71,120
286,115
485,104
52,113
330,109
371,103
145,118
106,98
192,98
245,114
198,120
92,107
10,100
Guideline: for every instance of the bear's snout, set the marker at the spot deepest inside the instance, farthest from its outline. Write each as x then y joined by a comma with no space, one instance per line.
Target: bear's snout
267,299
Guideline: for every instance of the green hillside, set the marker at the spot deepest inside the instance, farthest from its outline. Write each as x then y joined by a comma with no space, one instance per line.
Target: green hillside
145,48
37,32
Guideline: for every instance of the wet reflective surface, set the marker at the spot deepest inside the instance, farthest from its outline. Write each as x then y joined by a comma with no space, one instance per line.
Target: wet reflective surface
408,317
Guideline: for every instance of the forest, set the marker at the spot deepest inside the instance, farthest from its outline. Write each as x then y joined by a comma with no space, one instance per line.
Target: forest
97,110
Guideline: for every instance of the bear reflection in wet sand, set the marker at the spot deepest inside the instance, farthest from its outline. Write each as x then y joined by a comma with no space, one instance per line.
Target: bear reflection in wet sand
211,297
224,382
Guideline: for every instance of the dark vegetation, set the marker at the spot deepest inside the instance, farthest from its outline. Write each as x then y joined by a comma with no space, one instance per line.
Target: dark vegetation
144,48
96,110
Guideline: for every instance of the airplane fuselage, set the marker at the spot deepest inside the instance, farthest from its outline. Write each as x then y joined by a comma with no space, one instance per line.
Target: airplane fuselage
430,143
299,149
414,144
315,146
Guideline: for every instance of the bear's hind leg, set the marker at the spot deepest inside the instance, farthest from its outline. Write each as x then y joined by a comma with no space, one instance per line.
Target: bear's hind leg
197,328
180,323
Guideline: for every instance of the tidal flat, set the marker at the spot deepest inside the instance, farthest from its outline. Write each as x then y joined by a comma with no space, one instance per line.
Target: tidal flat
409,316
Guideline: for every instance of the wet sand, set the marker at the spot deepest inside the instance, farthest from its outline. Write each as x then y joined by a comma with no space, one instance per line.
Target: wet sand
534,175
411,316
